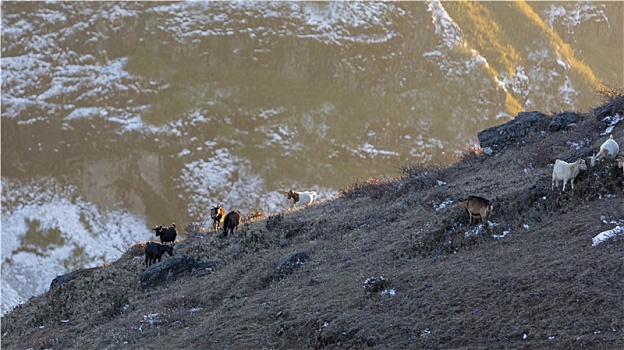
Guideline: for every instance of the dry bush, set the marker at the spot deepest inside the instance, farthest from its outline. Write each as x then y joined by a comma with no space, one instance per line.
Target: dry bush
191,300
588,130
538,154
137,248
195,229
374,187
255,215
609,93
613,102
130,249
471,154
274,221
420,176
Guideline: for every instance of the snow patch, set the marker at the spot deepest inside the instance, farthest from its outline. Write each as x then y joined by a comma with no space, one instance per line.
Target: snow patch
606,235
73,234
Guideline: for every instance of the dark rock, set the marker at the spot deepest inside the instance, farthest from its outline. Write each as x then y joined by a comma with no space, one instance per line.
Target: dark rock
560,120
609,109
375,284
172,269
58,280
499,137
288,264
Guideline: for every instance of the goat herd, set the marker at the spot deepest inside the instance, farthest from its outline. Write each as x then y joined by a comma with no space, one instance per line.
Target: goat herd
228,223
477,207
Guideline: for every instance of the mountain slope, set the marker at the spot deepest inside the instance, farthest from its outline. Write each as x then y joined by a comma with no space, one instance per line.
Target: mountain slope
123,115
531,279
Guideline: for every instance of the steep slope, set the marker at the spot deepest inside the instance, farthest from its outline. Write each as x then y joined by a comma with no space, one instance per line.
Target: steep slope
122,115
531,279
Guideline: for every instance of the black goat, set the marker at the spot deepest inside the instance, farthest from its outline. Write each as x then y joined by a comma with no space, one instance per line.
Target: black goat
231,222
166,234
217,214
155,251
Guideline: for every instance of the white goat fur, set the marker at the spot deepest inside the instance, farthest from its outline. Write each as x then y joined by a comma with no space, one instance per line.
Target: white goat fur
608,148
305,197
566,172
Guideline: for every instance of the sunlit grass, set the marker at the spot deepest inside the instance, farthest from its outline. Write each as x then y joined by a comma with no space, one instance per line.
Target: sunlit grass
484,34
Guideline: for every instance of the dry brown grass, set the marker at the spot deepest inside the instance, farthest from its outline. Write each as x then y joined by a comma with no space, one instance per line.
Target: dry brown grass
446,284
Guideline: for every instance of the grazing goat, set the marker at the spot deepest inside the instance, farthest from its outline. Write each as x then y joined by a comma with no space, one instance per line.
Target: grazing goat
477,207
166,234
566,172
231,222
155,251
300,198
217,214
608,148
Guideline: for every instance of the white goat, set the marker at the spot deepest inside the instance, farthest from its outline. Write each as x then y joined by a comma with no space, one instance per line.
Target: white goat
566,172
301,198
608,148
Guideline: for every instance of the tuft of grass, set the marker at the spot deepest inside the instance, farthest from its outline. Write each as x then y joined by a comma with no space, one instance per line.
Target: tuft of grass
274,221
420,176
609,93
255,215
471,154
374,187
173,302
195,229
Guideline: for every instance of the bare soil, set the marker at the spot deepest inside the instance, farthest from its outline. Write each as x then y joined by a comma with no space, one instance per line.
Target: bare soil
388,264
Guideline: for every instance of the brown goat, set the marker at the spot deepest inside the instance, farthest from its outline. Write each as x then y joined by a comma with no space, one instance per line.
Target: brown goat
217,214
231,222
477,207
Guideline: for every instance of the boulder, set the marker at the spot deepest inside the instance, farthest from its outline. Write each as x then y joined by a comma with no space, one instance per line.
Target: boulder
500,136
609,109
58,280
172,269
561,120
288,264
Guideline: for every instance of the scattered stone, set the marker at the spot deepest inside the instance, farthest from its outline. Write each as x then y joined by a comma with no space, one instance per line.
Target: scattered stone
375,284
500,136
288,264
560,121
58,280
173,268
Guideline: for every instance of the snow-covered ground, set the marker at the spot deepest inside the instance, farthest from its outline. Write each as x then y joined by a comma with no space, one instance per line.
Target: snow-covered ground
48,231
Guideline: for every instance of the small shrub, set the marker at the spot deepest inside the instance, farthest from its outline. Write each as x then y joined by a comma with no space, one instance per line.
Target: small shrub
195,229
609,93
255,215
136,249
274,221
374,187
420,176
471,154
181,301
117,305
375,284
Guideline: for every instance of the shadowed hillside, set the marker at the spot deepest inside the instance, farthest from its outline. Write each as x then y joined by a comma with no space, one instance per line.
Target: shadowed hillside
390,263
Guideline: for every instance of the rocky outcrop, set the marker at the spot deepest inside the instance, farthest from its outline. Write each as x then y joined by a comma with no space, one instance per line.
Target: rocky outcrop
560,121
496,138
58,280
608,109
288,264
174,268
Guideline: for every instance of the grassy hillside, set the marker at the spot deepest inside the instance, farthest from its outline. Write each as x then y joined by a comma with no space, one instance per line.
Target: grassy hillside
390,263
